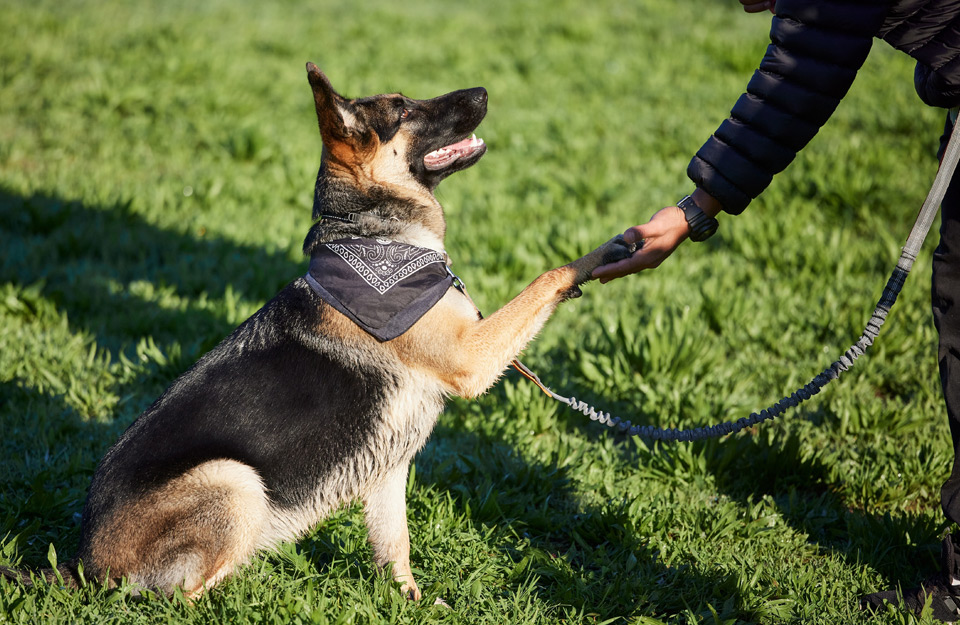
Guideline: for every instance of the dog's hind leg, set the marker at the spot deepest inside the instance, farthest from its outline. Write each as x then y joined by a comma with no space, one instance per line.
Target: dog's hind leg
191,533
385,509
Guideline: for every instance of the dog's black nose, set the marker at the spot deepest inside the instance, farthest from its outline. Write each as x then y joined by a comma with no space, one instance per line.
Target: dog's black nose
480,95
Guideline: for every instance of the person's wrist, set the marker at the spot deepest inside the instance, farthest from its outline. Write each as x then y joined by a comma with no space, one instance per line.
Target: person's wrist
707,203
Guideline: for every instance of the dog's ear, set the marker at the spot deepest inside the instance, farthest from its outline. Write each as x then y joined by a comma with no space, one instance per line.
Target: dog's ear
335,115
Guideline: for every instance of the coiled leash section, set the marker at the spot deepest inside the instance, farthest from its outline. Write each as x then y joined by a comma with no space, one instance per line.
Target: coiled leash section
925,219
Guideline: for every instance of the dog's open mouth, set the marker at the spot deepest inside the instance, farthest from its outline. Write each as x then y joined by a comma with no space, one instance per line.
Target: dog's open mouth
446,156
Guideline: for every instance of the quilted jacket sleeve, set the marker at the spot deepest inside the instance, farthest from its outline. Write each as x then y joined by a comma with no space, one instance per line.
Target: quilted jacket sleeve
815,52
929,31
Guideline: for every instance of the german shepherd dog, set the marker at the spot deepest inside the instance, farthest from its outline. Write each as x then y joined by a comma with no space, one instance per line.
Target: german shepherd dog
300,409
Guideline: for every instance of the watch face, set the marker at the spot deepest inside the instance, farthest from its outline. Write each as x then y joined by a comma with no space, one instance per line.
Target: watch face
704,230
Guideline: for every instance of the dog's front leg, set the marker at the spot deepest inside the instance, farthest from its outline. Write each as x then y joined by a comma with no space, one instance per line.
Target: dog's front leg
487,346
385,509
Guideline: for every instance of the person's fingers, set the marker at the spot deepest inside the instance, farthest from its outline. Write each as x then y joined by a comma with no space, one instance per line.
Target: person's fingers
634,235
660,236
621,268
649,256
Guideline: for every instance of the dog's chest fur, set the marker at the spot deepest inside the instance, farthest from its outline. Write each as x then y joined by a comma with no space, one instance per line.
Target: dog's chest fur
408,414
393,428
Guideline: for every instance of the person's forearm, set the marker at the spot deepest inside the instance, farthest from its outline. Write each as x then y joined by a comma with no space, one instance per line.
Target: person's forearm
815,52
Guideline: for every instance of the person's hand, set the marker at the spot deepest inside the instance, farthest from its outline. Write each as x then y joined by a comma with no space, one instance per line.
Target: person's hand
666,230
756,6
661,235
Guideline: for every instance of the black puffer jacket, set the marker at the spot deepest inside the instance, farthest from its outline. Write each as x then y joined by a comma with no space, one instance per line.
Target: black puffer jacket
817,48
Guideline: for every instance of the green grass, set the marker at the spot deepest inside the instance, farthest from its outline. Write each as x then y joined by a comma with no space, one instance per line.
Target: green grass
156,173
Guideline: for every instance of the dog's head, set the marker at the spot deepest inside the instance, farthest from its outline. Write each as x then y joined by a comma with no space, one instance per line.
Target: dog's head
397,142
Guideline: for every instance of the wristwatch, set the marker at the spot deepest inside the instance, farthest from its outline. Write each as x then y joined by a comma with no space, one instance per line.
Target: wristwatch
702,226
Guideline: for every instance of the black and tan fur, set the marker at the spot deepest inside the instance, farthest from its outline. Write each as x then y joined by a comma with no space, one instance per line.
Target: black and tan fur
299,410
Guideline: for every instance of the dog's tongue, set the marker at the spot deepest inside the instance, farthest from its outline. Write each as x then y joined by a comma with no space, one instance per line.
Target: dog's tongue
438,159
466,143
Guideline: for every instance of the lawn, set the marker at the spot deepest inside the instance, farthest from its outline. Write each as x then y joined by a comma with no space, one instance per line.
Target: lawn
157,162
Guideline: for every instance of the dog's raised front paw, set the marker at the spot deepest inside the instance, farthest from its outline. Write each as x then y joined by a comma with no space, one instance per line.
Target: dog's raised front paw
610,252
617,249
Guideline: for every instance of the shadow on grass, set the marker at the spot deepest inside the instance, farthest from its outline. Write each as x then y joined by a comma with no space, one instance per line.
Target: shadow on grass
902,547
122,278
49,453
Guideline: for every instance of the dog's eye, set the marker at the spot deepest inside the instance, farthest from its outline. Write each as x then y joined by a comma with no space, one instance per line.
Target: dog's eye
405,114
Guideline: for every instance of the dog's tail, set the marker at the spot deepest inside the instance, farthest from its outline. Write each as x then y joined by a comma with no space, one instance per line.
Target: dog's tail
65,574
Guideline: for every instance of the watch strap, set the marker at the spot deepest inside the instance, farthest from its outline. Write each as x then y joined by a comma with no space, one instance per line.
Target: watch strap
702,226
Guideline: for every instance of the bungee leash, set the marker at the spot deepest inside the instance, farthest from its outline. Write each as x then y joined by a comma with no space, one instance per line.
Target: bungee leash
925,219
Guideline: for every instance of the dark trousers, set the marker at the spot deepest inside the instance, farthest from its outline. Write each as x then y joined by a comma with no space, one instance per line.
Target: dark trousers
946,316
